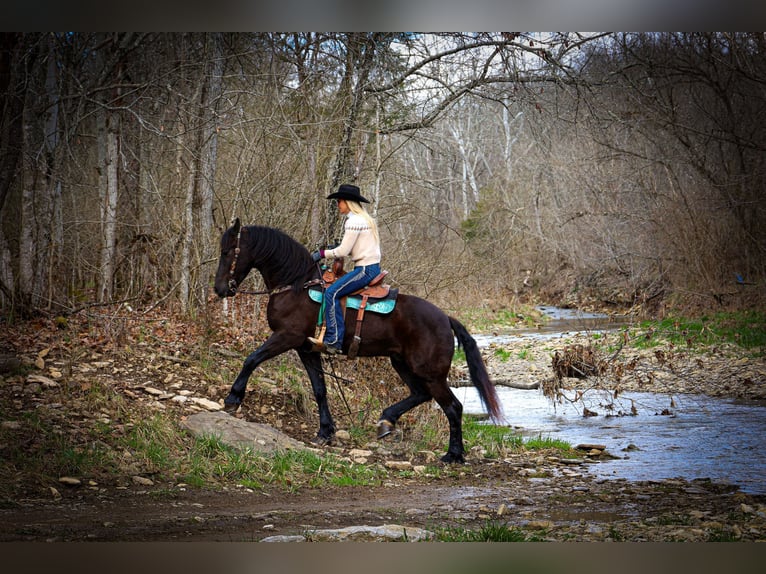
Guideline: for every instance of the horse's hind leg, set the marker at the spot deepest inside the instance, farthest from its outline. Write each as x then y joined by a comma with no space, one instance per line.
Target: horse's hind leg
454,412
418,396
424,389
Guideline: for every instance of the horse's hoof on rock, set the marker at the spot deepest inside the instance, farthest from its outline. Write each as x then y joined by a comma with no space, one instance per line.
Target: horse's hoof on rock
385,428
321,441
230,408
450,458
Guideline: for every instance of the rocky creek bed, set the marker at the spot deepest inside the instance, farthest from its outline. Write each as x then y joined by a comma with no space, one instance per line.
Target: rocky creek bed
545,496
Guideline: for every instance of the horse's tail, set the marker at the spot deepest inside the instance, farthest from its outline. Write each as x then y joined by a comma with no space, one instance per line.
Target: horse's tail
477,370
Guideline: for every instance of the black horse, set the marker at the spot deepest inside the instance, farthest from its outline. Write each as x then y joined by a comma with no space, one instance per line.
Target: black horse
416,335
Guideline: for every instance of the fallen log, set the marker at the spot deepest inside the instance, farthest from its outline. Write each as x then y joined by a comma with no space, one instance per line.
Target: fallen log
523,385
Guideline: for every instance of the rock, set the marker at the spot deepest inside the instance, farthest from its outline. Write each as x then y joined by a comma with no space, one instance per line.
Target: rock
206,403
399,464
415,512
591,447
387,532
42,380
140,480
358,452
359,455
70,481
239,433
285,538
540,524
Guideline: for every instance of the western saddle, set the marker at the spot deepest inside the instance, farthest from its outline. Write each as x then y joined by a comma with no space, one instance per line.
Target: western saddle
376,289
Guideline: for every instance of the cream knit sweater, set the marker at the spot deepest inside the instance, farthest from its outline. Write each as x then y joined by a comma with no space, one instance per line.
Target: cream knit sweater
358,242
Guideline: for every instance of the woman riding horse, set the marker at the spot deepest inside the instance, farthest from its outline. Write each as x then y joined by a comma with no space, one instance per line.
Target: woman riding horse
417,336
362,243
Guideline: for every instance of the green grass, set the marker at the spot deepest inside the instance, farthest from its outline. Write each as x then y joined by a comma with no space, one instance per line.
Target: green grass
525,354
152,442
489,532
747,329
211,461
502,354
721,535
41,448
547,443
495,440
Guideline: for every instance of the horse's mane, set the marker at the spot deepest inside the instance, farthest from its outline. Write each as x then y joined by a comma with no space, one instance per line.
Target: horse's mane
279,258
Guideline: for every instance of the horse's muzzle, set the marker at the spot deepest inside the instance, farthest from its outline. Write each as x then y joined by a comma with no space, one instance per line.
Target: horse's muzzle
225,291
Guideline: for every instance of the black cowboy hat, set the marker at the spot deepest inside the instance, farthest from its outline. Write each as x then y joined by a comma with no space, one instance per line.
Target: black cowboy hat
350,192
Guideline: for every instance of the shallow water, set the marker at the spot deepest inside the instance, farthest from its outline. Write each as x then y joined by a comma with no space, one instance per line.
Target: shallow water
698,436
704,437
561,322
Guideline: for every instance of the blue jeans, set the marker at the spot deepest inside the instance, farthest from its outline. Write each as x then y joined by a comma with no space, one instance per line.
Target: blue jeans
333,314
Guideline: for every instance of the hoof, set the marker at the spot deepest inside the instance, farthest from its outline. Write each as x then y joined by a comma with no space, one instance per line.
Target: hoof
321,441
385,428
230,408
450,458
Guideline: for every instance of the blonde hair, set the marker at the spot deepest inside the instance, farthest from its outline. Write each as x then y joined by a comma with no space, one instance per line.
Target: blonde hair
358,209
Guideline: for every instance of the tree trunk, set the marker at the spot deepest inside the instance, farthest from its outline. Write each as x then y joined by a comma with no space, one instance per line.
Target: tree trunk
208,160
187,230
41,188
108,130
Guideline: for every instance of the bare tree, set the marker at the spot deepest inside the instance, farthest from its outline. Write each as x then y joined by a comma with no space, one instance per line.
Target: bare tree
684,113
617,161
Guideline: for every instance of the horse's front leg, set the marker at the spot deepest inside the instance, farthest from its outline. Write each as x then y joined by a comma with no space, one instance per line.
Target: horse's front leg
275,345
312,361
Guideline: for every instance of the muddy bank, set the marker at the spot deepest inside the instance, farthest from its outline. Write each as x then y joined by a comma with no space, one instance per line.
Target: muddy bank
543,497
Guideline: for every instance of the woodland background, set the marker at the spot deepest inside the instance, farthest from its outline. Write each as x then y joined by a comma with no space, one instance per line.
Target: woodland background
626,169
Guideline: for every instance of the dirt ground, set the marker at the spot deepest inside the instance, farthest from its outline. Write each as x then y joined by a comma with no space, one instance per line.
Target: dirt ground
562,508
542,495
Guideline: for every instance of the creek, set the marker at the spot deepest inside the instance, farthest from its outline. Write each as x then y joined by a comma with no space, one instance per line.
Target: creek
684,436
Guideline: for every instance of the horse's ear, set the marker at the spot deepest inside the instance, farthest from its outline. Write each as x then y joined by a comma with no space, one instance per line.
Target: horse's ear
235,227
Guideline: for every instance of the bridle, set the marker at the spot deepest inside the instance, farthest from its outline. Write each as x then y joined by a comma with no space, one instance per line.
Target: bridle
233,282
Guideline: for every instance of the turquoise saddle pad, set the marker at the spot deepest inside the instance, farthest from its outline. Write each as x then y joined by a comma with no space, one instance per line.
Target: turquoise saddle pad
382,306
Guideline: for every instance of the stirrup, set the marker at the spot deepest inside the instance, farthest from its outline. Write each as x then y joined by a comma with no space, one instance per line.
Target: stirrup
318,345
